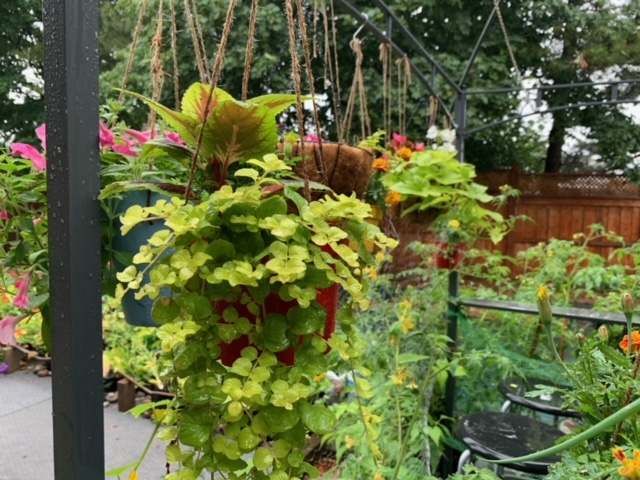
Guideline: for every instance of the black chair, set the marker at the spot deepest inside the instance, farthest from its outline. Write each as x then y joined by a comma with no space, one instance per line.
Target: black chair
502,436
515,389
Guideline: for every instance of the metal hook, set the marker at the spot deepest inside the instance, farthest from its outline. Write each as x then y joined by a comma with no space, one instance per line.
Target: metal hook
355,35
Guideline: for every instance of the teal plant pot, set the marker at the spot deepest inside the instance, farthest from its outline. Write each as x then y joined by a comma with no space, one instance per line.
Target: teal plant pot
137,312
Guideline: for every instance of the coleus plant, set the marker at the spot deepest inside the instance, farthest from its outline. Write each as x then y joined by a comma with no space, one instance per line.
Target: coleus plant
249,263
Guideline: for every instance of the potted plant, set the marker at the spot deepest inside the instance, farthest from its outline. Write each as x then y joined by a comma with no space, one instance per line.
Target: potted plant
253,262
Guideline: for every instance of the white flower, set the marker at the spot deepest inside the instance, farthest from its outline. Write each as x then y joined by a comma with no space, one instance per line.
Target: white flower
432,133
447,135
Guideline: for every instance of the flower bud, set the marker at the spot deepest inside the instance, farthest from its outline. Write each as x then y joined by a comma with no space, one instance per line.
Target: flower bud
544,305
603,333
581,338
627,303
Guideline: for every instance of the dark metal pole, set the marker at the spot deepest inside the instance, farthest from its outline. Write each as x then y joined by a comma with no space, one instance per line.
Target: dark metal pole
453,307
476,49
72,112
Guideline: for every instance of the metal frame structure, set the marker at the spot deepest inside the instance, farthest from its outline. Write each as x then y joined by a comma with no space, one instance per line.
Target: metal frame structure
73,175
72,114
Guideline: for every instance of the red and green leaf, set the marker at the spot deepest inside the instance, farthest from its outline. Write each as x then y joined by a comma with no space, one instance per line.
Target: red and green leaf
194,101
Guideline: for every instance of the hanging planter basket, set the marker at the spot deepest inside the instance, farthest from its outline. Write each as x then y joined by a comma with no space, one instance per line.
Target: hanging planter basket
342,168
447,258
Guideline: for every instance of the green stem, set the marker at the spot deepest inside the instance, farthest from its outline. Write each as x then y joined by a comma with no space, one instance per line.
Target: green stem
416,411
629,318
146,449
557,355
588,434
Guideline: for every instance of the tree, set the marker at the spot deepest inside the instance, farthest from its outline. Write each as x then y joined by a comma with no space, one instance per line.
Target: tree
21,106
554,41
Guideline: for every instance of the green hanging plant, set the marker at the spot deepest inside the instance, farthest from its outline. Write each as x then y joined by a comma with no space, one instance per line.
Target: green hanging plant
253,270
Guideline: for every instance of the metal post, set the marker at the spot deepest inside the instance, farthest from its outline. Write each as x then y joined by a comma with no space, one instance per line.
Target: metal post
453,308
72,112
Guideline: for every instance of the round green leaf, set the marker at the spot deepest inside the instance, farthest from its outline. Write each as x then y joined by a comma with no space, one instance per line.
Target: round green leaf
305,321
263,459
164,310
275,333
318,419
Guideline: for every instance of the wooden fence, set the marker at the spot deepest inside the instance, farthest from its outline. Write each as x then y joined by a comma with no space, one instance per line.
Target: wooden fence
559,205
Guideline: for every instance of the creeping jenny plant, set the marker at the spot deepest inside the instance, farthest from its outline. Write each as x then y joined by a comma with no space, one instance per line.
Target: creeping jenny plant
226,261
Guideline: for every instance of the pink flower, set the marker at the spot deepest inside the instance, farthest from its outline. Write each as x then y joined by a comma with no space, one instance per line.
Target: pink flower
107,139
4,215
312,138
22,299
419,147
41,132
398,140
126,149
27,151
141,137
36,221
8,329
174,137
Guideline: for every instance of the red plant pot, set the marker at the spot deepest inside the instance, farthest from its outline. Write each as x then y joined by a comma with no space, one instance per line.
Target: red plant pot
327,298
447,259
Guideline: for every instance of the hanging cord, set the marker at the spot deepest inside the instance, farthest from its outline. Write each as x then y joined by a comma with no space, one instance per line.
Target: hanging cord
433,111
403,86
297,85
335,86
249,51
174,48
312,87
507,41
334,30
387,93
134,45
357,91
196,42
316,19
157,70
203,47
214,82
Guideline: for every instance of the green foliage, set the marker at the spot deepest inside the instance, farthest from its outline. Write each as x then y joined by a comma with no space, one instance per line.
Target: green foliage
21,105
224,259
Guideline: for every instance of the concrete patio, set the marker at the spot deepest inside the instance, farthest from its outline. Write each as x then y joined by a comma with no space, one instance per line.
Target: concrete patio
26,436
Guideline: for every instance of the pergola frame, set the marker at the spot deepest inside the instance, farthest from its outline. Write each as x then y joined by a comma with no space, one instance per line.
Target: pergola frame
73,174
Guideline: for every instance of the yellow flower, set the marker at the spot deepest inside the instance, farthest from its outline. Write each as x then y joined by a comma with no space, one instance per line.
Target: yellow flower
133,475
412,385
350,442
405,153
320,377
407,324
371,272
381,164
543,293
505,188
400,377
380,256
630,468
378,476
393,198
454,224
405,306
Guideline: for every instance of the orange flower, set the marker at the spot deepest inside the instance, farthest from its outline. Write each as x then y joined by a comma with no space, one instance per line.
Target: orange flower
405,153
393,198
635,342
630,468
381,164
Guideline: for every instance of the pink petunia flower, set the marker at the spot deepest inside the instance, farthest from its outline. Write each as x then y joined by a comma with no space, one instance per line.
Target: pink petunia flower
41,132
398,141
22,299
174,137
312,138
30,153
107,138
141,137
4,215
419,147
8,329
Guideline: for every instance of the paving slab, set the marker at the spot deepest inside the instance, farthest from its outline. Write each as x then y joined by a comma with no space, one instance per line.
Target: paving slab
26,433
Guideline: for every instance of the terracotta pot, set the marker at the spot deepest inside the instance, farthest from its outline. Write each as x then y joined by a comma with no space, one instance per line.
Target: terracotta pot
445,259
327,297
342,168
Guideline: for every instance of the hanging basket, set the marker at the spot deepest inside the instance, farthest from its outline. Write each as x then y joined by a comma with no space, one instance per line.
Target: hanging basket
449,259
327,298
342,168
136,312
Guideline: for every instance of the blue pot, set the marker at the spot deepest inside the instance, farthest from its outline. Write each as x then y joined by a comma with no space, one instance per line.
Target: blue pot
137,312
